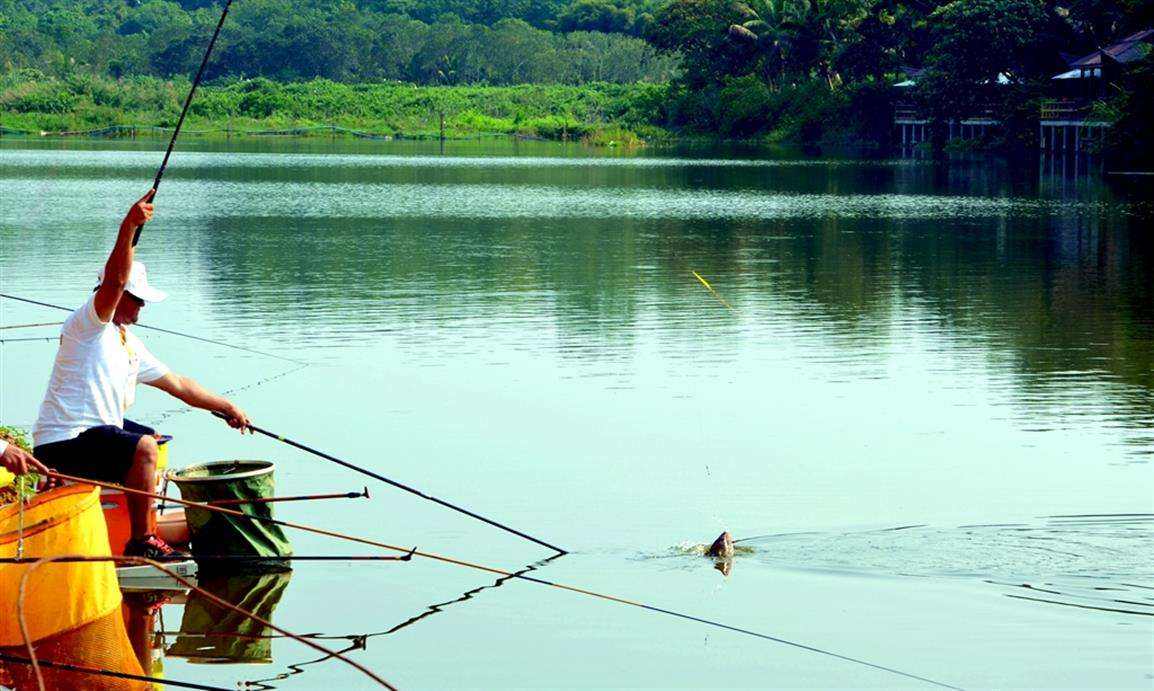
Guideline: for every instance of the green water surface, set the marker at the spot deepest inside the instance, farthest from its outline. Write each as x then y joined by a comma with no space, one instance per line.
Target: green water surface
962,351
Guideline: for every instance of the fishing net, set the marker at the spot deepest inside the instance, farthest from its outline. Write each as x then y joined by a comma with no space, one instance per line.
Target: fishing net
100,644
214,534
59,596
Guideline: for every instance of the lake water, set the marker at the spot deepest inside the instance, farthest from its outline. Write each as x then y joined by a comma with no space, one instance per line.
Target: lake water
924,393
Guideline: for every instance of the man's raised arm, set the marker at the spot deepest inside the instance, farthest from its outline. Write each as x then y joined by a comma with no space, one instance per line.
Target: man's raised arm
120,261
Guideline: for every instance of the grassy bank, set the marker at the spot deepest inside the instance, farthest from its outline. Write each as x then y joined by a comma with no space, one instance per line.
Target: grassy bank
597,113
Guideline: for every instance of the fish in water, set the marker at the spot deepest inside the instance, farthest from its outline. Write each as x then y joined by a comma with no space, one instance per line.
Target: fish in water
722,547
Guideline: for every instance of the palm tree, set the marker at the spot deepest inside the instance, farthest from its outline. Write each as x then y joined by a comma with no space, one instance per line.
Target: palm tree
796,35
767,26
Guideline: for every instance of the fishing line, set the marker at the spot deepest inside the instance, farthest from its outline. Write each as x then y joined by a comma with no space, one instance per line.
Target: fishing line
295,668
183,113
28,326
173,412
220,602
467,595
166,331
29,339
502,572
398,485
360,641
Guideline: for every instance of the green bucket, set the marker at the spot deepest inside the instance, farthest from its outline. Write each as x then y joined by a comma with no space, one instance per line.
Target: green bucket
215,534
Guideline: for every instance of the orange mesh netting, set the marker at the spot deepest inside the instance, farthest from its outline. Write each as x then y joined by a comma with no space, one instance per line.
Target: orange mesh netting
101,644
60,596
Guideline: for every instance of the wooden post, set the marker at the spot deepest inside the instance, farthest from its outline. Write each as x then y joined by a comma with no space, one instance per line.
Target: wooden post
442,114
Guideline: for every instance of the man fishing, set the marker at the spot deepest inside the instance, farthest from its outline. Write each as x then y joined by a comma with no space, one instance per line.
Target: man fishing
81,429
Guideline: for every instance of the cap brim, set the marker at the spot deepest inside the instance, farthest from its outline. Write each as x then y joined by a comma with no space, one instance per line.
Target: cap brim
149,294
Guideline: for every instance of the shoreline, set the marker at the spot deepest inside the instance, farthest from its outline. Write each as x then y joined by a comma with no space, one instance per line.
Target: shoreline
214,132
596,113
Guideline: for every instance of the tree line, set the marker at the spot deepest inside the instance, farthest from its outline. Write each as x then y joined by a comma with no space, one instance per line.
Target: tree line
807,70
439,42
812,64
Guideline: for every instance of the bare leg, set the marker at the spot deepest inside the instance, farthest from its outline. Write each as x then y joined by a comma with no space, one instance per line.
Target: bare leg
142,475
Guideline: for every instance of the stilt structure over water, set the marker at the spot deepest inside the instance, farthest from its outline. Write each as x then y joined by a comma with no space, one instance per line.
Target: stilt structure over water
1069,121
916,127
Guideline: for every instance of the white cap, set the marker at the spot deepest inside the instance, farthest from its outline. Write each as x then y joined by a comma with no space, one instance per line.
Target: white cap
138,284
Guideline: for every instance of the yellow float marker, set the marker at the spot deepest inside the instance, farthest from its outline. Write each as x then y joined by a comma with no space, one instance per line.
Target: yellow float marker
711,290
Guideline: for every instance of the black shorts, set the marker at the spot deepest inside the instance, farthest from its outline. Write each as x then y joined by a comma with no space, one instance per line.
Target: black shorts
102,453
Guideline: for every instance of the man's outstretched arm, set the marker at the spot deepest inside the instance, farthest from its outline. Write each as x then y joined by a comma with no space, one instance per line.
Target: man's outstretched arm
191,392
119,263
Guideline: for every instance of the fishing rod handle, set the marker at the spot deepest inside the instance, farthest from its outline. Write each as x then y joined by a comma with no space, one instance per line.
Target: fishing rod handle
151,196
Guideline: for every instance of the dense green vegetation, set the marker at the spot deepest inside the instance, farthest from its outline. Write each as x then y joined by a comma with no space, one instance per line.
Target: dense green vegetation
827,66
371,40
806,70
598,112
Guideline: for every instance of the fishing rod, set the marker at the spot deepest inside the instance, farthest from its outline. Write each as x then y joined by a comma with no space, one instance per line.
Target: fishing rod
503,572
234,557
220,602
183,113
398,485
363,494
4,657
165,331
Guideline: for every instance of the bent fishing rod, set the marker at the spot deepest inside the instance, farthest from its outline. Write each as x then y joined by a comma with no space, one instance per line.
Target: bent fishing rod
503,572
184,112
398,485
164,331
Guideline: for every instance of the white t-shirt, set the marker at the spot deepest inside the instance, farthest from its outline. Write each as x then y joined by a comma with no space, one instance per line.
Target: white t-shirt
94,379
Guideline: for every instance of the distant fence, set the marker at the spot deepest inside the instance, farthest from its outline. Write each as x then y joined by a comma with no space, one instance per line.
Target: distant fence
1064,109
134,131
